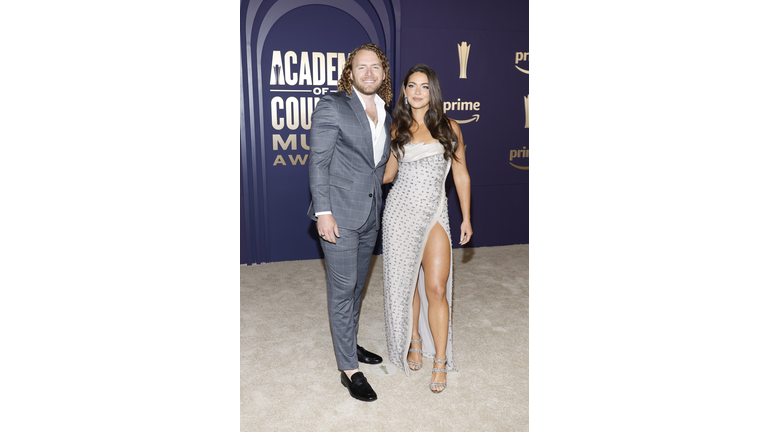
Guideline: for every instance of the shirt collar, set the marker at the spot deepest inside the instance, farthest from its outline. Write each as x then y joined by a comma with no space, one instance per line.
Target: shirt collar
376,99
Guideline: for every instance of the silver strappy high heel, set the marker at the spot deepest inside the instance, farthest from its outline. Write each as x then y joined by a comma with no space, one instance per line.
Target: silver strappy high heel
439,384
414,365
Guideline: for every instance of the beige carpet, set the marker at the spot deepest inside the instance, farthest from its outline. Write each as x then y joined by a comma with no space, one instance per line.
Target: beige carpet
288,374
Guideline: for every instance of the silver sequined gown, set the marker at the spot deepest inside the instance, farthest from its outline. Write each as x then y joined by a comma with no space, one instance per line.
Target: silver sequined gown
414,205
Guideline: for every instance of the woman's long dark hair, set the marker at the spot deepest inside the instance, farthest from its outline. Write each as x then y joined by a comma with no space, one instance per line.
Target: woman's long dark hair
437,123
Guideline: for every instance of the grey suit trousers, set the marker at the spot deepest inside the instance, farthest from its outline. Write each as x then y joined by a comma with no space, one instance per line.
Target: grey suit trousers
346,263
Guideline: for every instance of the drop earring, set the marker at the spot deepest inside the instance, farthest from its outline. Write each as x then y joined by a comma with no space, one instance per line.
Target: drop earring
406,100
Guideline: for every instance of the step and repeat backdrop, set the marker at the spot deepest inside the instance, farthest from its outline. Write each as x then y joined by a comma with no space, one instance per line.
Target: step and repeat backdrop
292,52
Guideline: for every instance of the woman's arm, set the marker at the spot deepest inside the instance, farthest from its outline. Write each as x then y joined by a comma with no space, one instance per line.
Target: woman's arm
463,189
391,170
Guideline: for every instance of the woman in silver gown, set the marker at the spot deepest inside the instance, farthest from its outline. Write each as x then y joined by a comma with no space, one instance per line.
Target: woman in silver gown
418,256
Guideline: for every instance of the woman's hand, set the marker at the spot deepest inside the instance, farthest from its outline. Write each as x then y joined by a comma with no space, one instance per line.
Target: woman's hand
466,232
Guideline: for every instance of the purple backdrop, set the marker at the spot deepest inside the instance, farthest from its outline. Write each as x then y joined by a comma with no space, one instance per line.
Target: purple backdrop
292,52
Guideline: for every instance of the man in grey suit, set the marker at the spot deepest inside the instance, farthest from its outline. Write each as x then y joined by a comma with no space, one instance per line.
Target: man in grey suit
348,150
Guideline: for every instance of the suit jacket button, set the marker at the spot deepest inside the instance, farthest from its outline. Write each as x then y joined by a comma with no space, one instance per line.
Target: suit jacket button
370,195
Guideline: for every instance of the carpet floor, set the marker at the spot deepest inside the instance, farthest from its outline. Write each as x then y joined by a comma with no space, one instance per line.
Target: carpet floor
288,375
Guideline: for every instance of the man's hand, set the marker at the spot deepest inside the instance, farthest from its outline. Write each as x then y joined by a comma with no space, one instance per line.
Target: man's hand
327,228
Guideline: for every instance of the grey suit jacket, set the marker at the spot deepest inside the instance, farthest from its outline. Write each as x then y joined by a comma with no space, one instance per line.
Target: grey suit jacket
343,177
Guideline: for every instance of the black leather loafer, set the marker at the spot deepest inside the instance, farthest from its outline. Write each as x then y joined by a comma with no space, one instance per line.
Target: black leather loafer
368,357
358,387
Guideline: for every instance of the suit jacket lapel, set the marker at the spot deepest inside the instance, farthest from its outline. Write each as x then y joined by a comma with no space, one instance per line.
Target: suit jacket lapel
359,110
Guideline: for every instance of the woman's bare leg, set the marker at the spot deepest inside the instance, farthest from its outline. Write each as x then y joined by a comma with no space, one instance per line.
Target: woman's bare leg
437,266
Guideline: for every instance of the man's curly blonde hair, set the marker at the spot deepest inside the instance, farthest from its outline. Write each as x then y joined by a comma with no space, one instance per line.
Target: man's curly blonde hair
345,82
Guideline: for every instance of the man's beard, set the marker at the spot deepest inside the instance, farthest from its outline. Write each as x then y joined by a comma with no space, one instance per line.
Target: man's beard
367,93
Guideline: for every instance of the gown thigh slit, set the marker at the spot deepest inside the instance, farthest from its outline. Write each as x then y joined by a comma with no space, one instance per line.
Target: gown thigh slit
414,205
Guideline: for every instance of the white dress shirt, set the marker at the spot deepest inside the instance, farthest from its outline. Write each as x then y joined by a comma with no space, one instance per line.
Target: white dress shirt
377,130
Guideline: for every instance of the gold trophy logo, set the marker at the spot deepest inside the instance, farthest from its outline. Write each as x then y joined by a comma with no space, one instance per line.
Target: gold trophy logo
526,111
463,58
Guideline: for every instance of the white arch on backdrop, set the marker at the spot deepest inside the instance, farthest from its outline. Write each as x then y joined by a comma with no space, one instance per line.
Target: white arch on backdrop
275,12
